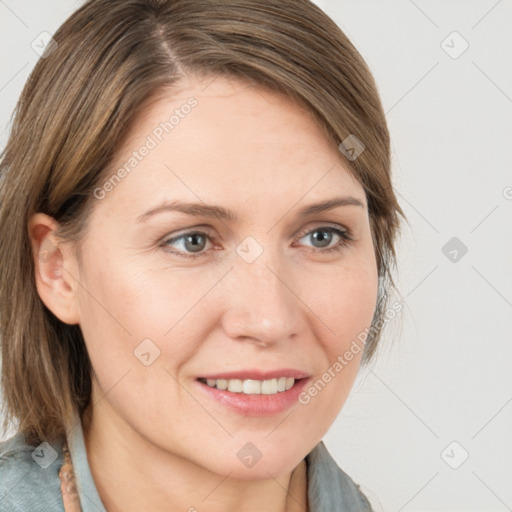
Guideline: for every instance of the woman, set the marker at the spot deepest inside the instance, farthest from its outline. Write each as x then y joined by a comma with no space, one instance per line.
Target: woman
197,232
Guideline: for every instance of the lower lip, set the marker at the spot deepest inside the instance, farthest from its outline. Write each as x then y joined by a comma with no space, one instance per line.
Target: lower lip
256,405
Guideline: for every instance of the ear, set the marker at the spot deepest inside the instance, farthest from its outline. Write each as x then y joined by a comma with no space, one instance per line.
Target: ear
55,269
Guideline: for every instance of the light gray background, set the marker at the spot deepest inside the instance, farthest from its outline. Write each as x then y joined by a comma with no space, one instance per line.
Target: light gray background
444,371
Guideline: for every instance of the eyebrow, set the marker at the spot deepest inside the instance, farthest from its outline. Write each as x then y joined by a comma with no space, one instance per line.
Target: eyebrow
223,214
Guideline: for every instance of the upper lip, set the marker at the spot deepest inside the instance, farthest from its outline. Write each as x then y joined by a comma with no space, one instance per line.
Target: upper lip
255,374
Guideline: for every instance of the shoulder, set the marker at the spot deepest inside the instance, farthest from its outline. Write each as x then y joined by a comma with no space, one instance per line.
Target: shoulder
330,488
29,475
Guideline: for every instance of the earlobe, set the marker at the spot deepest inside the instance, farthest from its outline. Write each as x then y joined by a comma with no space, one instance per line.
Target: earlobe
55,269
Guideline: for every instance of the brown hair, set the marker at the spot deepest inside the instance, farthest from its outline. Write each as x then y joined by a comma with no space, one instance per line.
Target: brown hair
80,100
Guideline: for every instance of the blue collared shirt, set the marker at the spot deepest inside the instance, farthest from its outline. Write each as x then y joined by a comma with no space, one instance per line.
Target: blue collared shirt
29,478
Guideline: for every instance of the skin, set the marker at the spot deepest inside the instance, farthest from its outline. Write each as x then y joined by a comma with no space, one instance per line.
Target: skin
295,306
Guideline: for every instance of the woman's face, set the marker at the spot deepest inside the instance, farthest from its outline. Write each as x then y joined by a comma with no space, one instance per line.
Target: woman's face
239,279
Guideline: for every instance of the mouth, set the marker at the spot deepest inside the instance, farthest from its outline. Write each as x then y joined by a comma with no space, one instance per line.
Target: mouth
255,393
251,386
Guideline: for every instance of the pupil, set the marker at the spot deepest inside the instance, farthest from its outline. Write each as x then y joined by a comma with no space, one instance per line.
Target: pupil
324,240
191,243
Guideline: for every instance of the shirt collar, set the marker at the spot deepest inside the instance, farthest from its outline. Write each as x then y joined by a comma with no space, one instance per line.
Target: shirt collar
90,500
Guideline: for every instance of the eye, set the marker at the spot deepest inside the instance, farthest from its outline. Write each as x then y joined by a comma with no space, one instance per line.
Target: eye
322,237
193,244
189,245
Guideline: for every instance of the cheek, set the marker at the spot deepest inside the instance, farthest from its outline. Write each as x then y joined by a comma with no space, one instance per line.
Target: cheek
138,332
345,300
120,306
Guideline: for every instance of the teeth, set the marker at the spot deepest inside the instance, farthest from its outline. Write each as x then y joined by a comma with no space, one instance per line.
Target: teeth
269,387
221,384
252,387
235,385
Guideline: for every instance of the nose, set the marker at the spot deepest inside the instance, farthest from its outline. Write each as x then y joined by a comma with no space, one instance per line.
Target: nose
263,306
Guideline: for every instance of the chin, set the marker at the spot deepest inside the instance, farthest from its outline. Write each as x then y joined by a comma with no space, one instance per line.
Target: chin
261,457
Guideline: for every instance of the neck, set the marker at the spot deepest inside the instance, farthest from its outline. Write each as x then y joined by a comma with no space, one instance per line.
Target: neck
161,481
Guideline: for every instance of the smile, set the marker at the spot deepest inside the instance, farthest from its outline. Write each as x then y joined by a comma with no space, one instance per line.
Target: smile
251,386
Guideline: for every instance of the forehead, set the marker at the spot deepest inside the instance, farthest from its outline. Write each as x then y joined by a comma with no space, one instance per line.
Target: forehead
214,138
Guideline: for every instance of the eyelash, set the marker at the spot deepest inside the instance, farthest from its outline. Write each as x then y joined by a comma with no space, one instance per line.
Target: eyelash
345,239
